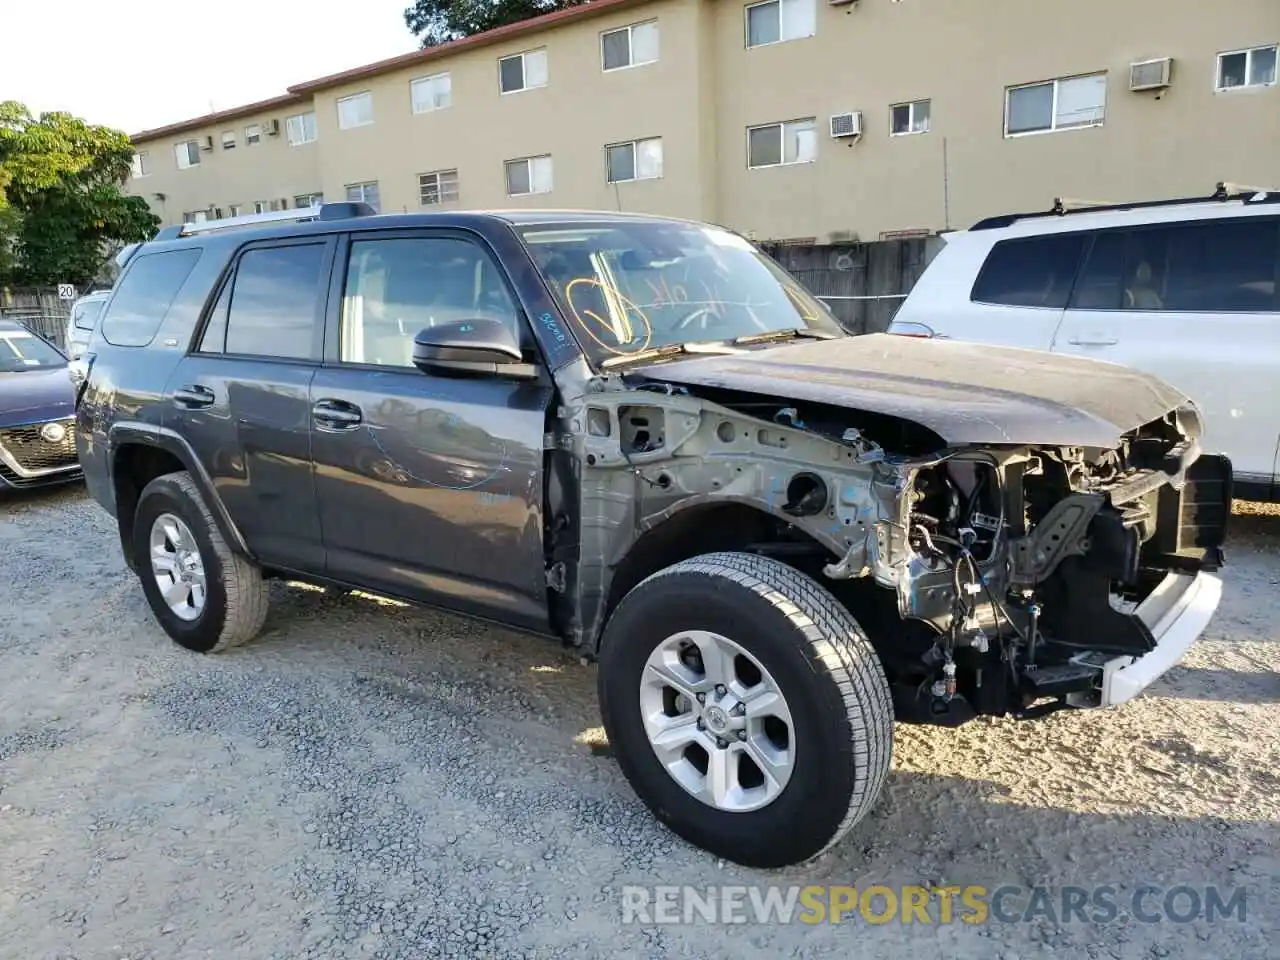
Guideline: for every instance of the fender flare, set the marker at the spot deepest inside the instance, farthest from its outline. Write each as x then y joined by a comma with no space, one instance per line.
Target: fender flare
160,438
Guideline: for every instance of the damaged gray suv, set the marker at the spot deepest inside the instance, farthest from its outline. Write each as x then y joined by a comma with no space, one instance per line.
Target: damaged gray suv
641,437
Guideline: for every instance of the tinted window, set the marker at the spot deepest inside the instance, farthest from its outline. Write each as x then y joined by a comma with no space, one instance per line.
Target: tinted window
87,312
398,287
1101,281
146,291
1036,272
214,339
1229,267
273,302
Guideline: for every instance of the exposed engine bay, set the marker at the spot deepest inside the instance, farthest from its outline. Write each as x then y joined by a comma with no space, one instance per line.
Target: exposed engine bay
991,578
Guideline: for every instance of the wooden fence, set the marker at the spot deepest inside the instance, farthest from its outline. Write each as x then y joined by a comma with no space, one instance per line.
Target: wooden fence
863,284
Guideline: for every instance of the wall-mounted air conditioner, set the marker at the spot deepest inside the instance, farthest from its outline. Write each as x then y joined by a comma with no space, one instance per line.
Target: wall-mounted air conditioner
207,144
273,128
1150,74
846,124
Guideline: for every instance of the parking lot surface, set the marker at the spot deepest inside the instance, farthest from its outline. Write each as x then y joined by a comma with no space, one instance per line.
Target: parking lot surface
374,780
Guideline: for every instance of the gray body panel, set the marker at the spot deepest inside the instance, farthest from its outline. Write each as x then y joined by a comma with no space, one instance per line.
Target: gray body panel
965,393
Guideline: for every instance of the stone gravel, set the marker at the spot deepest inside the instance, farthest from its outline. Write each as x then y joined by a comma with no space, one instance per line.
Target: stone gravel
369,779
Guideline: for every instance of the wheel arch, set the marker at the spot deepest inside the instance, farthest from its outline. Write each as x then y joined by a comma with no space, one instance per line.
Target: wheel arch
138,453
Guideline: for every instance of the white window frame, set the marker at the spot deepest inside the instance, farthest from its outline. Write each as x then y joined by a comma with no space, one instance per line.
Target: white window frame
140,166
1054,127
363,95
312,200
911,117
782,134
302,118
635,156
528,161
1248,68
782,38
188,144
632,62
363,186
233,210
228,139
443,178
413,100
252,134
524,71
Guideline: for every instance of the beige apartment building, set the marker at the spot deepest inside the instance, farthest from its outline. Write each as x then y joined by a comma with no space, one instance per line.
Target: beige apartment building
786,119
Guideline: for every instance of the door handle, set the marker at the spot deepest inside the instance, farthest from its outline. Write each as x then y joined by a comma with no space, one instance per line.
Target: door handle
193,396
1093,341
336,414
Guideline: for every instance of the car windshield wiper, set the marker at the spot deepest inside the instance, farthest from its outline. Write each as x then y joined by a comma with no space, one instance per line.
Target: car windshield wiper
785,334
671,350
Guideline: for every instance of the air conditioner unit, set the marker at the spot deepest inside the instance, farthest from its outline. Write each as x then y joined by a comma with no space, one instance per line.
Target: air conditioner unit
846,124
208,144
1150,74
273,128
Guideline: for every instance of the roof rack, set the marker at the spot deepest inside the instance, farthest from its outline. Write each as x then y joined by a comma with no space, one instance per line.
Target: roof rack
1224,192
325,211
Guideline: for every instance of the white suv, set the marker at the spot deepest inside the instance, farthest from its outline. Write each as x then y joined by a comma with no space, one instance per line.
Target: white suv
1184,289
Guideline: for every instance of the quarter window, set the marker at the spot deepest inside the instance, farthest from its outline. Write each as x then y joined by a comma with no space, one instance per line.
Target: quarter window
438,187
144,295
1247,68
780,20
636,160
908,118
431,93
355,111
1035,272
301,128
274,301
397,287
775,144
524,71
187,154
528,175
1064,104
365,193
630,46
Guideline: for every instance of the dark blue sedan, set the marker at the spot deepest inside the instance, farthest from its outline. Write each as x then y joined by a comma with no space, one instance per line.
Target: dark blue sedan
37,411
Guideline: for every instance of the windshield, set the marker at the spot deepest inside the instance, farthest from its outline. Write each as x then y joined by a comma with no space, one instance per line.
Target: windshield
633,287
21,350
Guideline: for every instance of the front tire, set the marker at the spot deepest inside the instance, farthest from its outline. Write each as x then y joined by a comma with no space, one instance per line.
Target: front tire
206,597
746,707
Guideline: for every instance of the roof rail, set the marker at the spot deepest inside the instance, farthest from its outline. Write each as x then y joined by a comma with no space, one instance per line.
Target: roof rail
1063,206
325,211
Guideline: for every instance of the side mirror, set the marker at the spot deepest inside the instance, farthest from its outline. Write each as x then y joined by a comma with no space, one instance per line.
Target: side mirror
480,347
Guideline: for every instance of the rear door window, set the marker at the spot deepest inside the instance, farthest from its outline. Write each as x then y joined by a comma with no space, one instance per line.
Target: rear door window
146,291
1031,272
275,302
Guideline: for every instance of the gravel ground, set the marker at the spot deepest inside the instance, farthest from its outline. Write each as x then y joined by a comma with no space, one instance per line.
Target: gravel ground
370,779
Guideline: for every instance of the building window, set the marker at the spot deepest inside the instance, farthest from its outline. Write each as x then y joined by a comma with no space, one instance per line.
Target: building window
637,160
1247,68
1064,104
631,46
187,154
776,144
301,128
431,93
355,111
234,210
780,20
524,71
438,187
528,175
141,166
252,134
365,193
261,206
228,139
195,216
908,118
304,200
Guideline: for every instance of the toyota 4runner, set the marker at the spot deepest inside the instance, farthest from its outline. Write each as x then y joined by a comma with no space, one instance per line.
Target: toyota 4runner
640,436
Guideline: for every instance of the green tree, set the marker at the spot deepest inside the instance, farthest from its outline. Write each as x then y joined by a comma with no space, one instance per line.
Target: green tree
62,210
438,21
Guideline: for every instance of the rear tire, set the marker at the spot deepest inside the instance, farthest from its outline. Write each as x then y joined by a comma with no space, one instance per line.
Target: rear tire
225,599
780,629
